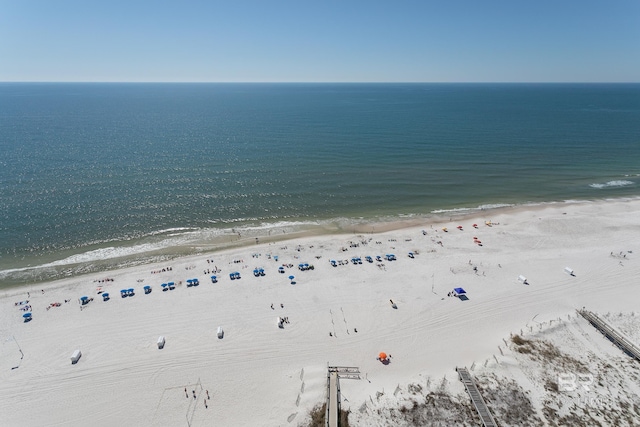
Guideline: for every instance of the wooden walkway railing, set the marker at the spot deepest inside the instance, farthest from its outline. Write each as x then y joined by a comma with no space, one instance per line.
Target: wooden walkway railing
334,373
476,398
608,331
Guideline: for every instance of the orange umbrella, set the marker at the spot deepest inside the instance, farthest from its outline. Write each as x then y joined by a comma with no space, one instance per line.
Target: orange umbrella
382,356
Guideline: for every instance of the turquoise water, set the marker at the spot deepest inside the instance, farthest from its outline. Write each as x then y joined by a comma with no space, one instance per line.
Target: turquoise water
95,176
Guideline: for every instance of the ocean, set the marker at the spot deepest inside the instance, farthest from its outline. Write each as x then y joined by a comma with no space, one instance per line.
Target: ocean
99,176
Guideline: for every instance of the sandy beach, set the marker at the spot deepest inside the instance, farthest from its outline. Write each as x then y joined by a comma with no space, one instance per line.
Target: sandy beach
261,374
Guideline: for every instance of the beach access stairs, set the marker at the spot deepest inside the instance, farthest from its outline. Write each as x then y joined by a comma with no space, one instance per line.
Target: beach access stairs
334,373
614,336
476,398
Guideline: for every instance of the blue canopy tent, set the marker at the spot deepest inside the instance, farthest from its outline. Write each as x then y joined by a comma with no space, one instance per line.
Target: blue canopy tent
333,263
147,289
214,279
461,294
189,283
105,296
84,300
27,317
124,293
232,276
131,292
256,272
195,282
165,287
237,275
171,285
261,271
368,258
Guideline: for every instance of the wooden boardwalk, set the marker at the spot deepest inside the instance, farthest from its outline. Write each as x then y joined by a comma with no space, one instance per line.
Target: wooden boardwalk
334,373
476,398
614,336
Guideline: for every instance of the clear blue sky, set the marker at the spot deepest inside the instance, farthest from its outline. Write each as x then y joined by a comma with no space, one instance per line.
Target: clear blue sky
320,41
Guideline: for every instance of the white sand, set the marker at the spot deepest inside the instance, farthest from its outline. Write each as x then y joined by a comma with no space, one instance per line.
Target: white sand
257,372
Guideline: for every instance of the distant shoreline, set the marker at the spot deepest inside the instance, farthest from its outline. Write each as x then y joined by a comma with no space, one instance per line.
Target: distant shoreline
228,239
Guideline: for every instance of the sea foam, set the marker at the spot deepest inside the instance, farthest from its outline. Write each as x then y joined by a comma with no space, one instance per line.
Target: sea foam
609,184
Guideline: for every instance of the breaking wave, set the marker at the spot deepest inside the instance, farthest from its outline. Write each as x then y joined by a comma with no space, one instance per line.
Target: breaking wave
610,184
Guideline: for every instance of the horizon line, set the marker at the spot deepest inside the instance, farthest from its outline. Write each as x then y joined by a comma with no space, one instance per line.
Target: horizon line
311,82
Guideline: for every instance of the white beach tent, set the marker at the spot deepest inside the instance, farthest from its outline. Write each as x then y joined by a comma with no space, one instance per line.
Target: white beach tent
569,271
75,357
220,332
161,342
522,279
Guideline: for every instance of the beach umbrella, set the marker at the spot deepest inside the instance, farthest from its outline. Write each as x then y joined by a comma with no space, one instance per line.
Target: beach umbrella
291,277
459,227
459,291
26,315
84,298
475,226
382,355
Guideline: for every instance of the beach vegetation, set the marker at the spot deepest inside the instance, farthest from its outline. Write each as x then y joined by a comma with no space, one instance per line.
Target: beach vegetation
317,417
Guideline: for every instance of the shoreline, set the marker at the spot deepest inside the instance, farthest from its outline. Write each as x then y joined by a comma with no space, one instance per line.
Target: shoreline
217,240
